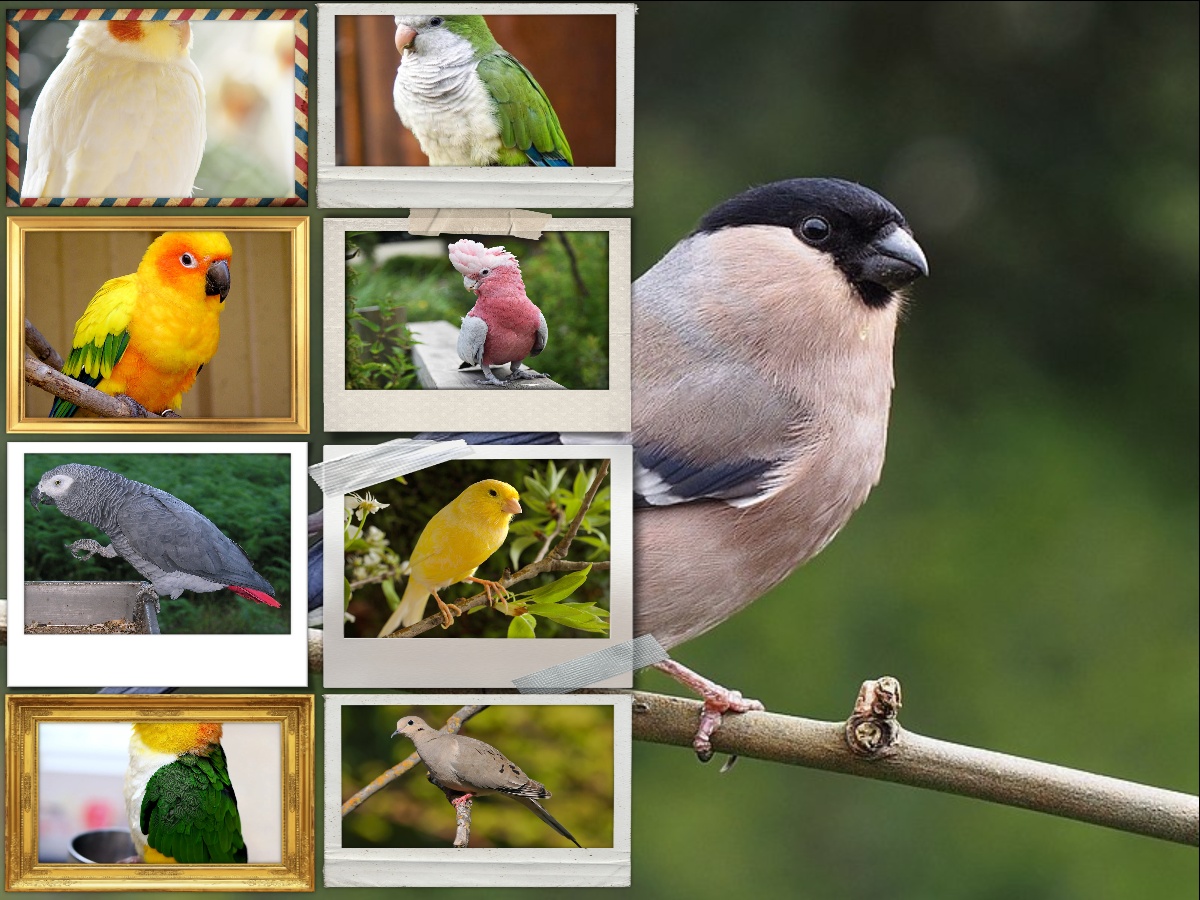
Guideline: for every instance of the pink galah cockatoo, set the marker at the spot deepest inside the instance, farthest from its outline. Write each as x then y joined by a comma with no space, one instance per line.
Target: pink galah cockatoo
503,326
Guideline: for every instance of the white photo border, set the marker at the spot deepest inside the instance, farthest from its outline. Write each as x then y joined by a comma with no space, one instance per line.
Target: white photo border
483,410
366,187
178,660
478,662
484,866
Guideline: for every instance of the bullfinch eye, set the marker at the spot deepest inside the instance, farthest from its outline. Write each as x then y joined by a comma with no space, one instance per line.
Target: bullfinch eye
436,21
188,261
814,229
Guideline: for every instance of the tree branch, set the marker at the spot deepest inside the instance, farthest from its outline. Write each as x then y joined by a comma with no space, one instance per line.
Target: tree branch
907,758
41,348
453,725
550,562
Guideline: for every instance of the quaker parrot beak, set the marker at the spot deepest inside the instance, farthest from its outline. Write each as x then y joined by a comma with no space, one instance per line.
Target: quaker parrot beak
404,36
511,506
216,280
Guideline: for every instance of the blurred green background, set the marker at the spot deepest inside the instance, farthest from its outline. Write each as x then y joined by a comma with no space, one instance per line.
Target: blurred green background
248,497
544,486
569,749
1028,566
410,279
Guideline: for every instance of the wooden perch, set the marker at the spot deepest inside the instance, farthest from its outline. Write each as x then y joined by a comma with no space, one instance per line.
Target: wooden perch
872,744
437,363
43,369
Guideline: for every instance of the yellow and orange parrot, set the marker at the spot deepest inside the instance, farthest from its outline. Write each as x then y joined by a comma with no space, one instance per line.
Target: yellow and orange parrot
146,336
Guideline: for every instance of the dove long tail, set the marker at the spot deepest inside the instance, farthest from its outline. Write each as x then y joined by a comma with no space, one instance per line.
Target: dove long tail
540,811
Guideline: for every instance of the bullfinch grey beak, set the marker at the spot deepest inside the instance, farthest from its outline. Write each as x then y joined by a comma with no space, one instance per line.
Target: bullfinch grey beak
894,260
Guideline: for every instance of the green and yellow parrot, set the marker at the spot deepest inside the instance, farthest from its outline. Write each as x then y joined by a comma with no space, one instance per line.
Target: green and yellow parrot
146,336
179,797
468,100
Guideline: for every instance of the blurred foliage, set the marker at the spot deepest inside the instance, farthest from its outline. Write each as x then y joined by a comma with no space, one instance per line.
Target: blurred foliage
567,748
565,274
247,496
550,605
377,338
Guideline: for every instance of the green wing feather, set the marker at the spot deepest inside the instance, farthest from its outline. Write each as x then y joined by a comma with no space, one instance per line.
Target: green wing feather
189,812
527,120
101,336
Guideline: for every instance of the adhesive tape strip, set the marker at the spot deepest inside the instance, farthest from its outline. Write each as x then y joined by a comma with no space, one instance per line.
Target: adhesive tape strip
384,461
522,223
587,670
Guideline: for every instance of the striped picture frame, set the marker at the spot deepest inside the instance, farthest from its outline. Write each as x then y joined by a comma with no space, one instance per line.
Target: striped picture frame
300,17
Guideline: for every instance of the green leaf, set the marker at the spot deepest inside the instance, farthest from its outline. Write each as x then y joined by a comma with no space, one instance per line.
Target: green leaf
389,591
522,626
559,590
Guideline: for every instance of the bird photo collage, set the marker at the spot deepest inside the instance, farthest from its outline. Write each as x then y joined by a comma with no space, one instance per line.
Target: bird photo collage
352,479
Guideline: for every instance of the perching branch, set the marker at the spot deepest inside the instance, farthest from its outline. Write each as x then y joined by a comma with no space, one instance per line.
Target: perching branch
45,372
551,562
890,753
41,348
453,725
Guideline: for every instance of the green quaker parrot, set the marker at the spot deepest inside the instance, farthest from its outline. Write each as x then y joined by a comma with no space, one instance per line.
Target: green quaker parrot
468,100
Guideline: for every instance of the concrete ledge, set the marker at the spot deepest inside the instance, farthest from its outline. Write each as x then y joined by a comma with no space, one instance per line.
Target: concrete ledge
437,363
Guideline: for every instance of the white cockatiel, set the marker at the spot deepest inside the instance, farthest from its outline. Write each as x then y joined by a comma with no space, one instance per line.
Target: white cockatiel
121,116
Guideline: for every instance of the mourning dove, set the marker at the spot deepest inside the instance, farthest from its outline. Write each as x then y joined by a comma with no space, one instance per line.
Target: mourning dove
470,768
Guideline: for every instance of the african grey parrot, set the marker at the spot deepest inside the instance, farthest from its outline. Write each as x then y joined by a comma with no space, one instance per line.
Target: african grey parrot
162,537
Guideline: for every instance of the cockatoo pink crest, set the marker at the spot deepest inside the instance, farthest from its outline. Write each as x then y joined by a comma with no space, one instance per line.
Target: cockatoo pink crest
503,326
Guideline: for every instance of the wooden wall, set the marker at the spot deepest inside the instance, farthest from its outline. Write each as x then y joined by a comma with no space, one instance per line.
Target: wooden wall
250,375
572,57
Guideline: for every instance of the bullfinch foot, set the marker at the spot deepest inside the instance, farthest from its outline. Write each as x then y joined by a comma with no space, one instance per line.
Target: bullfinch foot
718,700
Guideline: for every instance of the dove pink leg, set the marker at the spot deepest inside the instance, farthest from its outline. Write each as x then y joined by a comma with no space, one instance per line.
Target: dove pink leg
718,700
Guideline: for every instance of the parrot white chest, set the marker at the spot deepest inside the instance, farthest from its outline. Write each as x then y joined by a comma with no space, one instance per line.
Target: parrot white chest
113,126
444,102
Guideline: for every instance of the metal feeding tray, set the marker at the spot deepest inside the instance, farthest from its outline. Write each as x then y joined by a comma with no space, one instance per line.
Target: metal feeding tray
87,607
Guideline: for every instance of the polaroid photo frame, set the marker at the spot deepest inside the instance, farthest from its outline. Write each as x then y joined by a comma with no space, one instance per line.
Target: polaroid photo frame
257,382
484,408
39,657
585,66
474,662
508,846
253,64
268,741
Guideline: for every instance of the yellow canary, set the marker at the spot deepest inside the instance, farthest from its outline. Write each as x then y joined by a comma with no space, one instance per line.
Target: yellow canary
456,541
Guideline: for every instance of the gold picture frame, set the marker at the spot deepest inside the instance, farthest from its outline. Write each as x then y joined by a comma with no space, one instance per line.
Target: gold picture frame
26,712
290,341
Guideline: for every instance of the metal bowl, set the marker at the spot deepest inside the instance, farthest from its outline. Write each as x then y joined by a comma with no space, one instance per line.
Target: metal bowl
105,845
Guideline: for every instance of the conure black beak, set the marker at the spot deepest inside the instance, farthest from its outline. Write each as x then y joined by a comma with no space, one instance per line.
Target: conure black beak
216,280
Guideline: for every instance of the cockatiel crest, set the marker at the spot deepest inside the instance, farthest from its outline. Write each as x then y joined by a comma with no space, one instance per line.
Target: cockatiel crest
121,116
475,261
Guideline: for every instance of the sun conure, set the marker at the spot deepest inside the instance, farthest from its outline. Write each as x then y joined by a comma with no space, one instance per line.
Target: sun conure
179,797
146,336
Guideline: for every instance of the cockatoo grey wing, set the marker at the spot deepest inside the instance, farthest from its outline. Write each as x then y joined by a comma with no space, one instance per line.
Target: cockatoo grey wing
471,338
539,341
176,538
